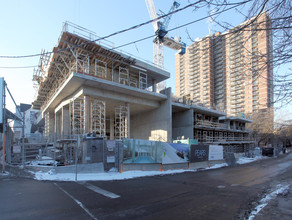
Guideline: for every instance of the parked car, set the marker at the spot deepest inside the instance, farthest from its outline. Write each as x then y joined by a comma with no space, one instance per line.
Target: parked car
268,150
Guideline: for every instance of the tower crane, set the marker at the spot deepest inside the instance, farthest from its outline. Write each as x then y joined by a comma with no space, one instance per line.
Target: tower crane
161,38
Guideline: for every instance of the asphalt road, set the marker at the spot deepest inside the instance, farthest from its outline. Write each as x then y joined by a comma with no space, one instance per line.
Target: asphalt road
226,193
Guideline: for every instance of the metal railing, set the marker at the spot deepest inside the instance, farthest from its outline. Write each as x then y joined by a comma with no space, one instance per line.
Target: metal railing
209,139
210,124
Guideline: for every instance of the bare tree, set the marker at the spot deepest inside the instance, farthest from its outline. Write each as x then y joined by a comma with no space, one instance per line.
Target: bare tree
280,13
262,127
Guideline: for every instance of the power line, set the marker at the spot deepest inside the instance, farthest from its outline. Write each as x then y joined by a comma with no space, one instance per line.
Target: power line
110,35
17,67
132,42
186,24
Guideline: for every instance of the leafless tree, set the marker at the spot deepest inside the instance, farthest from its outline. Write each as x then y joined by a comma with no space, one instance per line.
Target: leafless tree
280,13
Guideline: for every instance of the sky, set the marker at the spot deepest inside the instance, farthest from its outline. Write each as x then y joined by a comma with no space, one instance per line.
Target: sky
29,26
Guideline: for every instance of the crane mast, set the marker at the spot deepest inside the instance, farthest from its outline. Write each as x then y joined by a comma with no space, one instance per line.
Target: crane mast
161,39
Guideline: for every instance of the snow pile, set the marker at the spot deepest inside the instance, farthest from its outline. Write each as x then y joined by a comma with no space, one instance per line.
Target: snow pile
102,176
243,160
280,189
216,166
44,160
111,175
5,173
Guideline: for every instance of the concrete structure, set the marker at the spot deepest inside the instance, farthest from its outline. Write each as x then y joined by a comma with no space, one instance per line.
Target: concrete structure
86,87
232,71
210,126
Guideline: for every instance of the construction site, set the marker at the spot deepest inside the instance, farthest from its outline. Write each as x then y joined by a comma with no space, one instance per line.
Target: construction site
85,87
104,108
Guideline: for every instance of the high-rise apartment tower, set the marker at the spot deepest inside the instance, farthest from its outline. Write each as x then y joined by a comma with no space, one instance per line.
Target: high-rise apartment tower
230,71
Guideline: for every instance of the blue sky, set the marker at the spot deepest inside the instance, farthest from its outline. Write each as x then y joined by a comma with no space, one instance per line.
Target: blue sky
31,25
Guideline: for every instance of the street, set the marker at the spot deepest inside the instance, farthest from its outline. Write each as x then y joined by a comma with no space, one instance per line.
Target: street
226,193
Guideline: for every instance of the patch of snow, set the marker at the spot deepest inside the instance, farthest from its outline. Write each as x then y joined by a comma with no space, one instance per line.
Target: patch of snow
216,166
46,158
114,175
113,169
5,173
42,162
244,160
280,189
102,176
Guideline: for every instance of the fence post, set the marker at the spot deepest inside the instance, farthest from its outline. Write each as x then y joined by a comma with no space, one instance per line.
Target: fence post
76,157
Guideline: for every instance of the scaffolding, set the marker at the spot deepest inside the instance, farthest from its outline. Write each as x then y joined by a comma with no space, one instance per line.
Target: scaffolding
82,63
98,118
142,80
100,69
47,124
133,81
121,122
123,76
76,110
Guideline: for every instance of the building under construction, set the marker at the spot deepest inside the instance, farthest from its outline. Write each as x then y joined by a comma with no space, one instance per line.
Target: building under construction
84,86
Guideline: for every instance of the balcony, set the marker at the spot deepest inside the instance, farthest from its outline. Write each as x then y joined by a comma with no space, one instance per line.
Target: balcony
209,124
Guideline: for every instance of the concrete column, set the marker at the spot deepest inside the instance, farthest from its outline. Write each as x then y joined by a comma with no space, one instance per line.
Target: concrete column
182,124
154,84
112,127
51,123
58,123
86,114
65,125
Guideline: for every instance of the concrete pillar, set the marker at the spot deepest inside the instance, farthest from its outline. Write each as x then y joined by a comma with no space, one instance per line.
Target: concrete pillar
86,114
154,85
51,124
58,123
112,127
65,125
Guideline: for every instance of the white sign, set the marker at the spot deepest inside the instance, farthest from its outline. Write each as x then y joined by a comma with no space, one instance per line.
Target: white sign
215,152
110,159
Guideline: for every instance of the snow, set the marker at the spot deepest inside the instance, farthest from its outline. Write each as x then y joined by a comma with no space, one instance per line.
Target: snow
111,175
103,176
41,162
244,160
280,189
44,160
216,166
5,173
114,175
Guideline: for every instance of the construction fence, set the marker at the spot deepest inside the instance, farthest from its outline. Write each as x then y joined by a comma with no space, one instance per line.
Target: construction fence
95,154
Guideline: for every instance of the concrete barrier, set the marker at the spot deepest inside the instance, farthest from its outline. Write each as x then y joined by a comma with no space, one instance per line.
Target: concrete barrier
199,165
175,166
205,164
141,166
81,168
